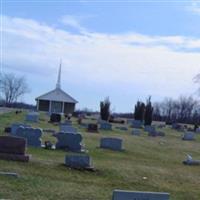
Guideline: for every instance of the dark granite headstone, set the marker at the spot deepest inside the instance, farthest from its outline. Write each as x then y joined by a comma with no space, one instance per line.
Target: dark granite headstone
111,143
68,141
33,135
137,195
55,117
13,148
92,128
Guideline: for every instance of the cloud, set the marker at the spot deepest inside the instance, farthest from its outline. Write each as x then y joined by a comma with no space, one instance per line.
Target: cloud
131,64
194,7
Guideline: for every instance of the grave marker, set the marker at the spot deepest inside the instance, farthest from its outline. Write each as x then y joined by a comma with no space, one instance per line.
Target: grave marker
136,195
111,143
13,148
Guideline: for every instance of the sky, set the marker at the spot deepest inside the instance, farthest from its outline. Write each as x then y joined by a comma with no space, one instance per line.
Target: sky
126,50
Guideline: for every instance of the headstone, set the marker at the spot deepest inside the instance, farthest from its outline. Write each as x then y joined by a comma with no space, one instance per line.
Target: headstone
68,122
92,128
15,126
13,148
32,135
122,128
189,136
136,132
190,161
32,117
137,124
67,128
149,128
136,195
69,141
7,130
78,161
111,143
198,130
105,126
55,118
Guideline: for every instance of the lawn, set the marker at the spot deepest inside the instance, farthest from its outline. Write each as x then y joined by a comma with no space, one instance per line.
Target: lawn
159,160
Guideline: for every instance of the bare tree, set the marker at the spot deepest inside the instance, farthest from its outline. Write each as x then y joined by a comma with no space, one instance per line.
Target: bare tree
12,87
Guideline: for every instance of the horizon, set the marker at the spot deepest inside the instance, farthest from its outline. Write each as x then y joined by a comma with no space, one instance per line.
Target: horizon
124,50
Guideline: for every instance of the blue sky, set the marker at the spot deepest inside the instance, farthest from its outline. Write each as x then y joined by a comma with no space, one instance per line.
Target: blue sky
126,50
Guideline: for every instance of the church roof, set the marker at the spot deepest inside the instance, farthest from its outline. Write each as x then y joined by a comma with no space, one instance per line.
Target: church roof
57,95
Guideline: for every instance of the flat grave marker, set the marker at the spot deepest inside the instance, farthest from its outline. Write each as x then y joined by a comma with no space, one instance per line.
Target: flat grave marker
137,195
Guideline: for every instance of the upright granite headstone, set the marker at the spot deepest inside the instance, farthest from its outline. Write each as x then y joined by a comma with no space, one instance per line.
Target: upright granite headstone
55,117
136,195
189,136
105,126
13,148
32,135
122,128
136,132
15,126
137,124
67,128
32,117
111,143
69,141
78,161
93,128
68,122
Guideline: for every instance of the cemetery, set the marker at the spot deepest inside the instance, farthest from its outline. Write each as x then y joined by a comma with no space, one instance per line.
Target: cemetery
76,168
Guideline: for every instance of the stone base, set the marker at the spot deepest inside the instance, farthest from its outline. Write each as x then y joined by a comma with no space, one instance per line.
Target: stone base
14,157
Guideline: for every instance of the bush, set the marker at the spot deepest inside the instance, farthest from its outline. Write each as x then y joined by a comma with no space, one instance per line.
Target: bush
148,112
139,111
105,109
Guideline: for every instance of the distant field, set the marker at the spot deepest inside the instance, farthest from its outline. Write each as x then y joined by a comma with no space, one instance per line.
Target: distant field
158,159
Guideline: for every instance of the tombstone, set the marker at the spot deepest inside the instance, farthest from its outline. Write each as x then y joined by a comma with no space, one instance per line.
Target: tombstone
122,128
15,126
136,132
55,117
149,128
13,148
190,161
137,124
7,129
111,143
68,141
68,122
189,136
137,195
105,126
78,161
92,128
67,128
32,117
129,121
32,135
198,130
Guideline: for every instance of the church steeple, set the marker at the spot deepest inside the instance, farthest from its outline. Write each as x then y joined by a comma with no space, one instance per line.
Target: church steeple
58,84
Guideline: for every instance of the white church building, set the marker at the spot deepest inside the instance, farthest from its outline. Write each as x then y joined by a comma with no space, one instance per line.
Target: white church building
56,101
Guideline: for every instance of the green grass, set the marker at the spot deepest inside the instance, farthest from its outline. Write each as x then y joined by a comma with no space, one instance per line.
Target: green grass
157,159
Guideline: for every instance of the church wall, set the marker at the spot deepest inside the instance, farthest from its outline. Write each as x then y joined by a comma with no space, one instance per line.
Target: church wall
69,108
43,105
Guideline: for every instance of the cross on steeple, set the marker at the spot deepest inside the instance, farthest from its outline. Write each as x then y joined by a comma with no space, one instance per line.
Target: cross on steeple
58,84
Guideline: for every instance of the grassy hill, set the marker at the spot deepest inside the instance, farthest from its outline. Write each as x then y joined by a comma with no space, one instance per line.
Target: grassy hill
159,160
